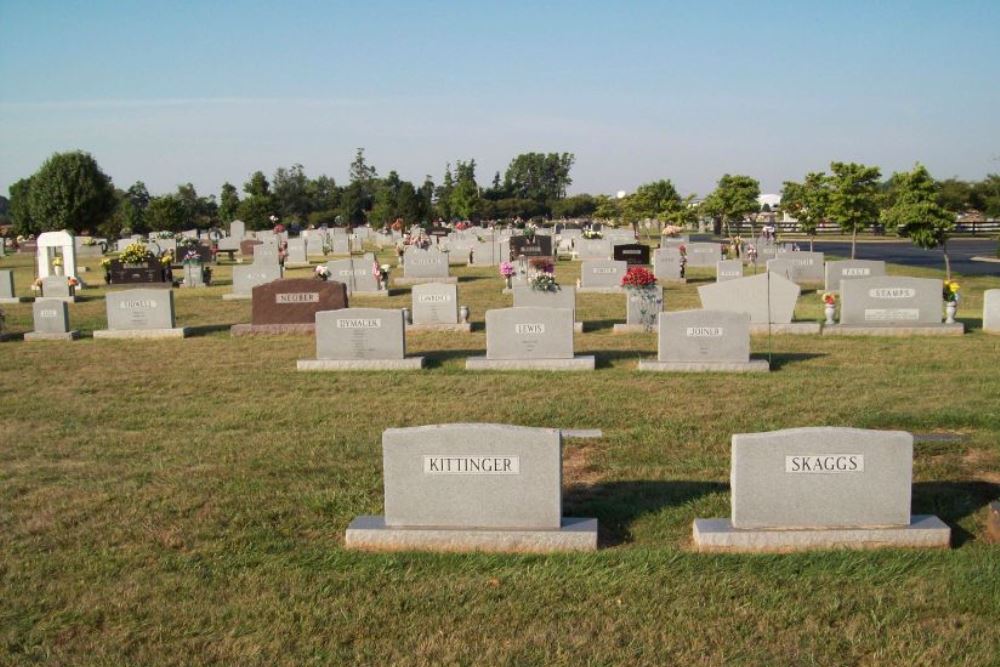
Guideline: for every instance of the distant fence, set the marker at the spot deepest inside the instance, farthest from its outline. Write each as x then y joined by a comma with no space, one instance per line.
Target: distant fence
987,228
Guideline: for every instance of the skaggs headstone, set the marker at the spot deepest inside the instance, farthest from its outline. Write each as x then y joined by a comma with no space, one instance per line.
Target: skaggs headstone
891,301
459,487
851,269
821,487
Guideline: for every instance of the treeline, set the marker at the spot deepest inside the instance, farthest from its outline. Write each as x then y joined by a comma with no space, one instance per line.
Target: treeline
71,192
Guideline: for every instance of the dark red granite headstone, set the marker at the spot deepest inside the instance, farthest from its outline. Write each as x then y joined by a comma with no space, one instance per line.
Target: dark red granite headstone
295,300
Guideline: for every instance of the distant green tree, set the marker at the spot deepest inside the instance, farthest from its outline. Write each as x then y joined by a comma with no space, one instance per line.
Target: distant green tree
256,209
465,194
734,198
608,208
19,209
955,195
229,202
539,176
167,213
917,215
854,195
442,195
292,193
808,202
986,195
71,192
577,206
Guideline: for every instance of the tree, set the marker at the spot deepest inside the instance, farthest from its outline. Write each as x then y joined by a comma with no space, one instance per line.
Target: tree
19,209
71,192
256,210
986,195
292,192
808,202
442,195
607,208
734,198
465,195
917,214
577,206
955,195
853,197
167,213
426,193
539,176
229,202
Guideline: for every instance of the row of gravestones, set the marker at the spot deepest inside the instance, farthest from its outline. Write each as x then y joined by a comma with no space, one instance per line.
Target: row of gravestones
492,487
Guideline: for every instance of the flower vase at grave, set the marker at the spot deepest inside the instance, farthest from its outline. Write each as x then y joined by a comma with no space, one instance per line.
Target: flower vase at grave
949,310
829,311
463,312
57,270
508,279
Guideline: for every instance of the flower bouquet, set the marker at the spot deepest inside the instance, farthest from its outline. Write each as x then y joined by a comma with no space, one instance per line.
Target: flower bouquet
640,284
829,306
191,257
592,234
135,253
638,277
951,298
321,272
544,282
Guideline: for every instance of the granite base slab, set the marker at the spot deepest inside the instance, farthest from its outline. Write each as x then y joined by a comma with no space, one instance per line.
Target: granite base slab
633,329
14,299
407,364
600,290
956,329
466,327
64,299
272,329
672,281
405,282
790,328
578,363
236,297
924,531
752,366
377,293
371,534
178,332
37,335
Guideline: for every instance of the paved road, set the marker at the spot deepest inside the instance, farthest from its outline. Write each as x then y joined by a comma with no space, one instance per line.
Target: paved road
961,252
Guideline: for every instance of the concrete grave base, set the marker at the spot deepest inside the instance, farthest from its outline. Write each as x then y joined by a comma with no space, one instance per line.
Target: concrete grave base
407,364
272,329
177,332
633,328
791,328
370,533
956,329
36,335
14,299
578,363
600,290
236,297
183,286
752,366
404,282
466,327
379,293
925,530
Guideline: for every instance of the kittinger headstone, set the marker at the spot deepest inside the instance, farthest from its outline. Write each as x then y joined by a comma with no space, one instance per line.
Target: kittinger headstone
465,487
360,339
704,341
806,488
530,338
141,313
51,321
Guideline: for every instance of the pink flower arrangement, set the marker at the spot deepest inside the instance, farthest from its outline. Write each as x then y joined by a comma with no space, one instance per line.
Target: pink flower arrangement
507,269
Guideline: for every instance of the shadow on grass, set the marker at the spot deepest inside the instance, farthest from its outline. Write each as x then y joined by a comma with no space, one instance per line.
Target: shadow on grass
437,358
590,326
971,323
606,358
779,361
619,504
207,329
953,501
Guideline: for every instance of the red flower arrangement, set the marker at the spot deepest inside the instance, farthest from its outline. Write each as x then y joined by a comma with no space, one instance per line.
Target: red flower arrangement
637,276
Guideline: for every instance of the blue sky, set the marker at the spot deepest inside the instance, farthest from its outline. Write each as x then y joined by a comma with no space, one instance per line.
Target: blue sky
171,92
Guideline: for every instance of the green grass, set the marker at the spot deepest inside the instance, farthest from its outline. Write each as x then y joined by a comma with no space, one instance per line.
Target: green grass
184,502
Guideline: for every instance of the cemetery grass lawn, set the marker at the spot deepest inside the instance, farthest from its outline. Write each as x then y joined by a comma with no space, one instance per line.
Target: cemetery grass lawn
184,502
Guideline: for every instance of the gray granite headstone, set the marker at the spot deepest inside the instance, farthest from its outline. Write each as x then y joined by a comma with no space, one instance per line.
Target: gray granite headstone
245,278
991,311
435,303
891,301
56,286
667,264
716,336
602,273
805,267
342,270
751,295
529,333
822,477
473,476
237,229
297,251
360,333
484,253
265,253
564,297
429,263
643,306
340,245
851,269
703,254
51,316
593,249
140,309
364,274
728,269
7,284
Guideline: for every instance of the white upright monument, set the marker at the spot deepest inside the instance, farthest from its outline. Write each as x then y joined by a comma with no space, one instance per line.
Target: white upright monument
51,245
